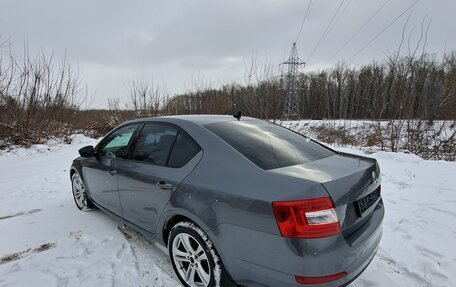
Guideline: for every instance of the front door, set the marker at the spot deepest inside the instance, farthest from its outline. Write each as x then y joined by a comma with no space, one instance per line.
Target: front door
100,171
161,158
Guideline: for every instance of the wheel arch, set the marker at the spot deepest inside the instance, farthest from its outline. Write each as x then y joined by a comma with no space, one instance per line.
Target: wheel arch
172,218
76,167
177,217
170,223
73,171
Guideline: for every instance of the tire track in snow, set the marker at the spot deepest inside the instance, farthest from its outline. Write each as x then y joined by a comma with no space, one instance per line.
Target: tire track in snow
18,255
152,260
20,214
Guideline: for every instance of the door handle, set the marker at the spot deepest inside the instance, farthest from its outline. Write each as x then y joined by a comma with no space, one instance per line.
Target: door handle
164,185
112,172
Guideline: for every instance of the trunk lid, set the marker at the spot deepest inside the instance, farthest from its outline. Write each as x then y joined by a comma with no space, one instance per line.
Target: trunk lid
350,181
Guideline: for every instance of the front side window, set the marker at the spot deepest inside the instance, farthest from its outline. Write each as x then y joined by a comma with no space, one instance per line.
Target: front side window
154,143
116,145
267,145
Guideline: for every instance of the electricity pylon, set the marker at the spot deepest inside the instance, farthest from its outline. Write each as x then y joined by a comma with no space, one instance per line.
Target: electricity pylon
291,105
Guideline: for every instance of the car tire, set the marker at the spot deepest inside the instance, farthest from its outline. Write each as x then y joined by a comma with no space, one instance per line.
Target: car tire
194,258
82,200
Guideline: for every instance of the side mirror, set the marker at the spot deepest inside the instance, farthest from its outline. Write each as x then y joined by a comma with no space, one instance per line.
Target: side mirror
87,151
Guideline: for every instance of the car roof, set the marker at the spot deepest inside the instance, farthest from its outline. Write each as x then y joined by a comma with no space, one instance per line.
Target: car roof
196,119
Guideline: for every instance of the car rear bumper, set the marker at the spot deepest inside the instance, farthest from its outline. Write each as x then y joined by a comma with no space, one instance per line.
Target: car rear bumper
254,258
255,275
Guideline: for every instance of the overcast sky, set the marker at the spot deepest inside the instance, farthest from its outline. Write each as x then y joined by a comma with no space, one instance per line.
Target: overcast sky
112,41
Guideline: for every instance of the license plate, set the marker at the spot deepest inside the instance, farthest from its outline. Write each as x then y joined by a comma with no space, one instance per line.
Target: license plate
364,203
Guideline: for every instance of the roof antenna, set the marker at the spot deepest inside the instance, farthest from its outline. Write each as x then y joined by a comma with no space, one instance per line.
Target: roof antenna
238,116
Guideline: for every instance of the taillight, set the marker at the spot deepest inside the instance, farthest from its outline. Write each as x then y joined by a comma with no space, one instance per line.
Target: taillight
313,218
320,280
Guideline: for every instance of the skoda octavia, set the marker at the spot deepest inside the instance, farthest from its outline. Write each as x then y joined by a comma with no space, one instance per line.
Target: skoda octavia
237,201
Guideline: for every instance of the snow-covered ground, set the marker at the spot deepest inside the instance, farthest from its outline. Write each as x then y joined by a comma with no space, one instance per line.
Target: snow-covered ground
46,241
435,140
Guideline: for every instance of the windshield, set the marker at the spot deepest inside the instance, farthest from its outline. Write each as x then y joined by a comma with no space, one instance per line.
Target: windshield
267,145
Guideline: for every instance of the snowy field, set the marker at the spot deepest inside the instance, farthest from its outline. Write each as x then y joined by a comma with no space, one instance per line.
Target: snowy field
430,141
46,241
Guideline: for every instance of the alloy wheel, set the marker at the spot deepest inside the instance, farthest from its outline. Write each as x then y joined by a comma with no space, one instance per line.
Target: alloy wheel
79,192
191,260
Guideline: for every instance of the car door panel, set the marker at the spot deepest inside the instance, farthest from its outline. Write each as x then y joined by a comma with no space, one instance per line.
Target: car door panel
146,181
101,183
145,189
100,171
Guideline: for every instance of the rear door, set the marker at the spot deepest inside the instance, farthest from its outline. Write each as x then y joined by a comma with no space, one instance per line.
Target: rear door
160,158
100,172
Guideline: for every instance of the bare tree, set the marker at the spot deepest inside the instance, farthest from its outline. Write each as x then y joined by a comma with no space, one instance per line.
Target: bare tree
37,97
146,97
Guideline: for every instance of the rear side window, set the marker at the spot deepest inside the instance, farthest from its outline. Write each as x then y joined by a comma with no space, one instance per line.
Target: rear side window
154,143
183,151
267,145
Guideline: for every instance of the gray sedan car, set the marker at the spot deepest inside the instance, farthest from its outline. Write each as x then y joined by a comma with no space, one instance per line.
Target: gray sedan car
237,201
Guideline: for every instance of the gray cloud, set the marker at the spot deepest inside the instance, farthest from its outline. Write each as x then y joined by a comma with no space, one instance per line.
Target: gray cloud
114,41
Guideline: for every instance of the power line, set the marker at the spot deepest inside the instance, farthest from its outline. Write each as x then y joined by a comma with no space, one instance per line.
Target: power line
303,20
341,14
360,29
326,31
383,31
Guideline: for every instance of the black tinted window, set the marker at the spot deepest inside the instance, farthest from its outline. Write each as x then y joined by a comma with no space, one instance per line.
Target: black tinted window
184,150
267,145
154,143
116,145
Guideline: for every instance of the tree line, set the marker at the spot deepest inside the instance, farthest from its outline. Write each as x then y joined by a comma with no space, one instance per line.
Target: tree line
421,87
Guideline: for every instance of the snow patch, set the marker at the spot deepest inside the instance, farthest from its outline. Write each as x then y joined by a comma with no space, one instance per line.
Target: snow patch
152,260
81,139
51,145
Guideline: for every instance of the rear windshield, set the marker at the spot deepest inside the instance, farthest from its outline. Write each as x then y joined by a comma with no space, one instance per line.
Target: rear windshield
267,145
